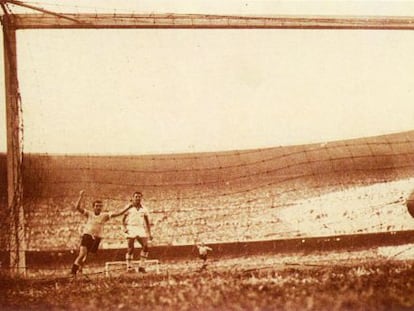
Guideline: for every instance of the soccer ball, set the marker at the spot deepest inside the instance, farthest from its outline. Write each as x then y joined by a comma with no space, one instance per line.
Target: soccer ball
410,204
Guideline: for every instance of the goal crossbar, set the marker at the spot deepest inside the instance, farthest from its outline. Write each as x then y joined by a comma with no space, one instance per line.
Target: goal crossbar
201,21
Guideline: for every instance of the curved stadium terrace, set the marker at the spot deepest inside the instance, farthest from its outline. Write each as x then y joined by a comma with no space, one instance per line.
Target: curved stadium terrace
336,188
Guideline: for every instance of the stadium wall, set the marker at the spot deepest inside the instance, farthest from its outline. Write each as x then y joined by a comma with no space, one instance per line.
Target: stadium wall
348,243
221,197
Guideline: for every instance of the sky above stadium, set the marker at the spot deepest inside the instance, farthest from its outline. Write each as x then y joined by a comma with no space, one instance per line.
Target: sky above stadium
169,91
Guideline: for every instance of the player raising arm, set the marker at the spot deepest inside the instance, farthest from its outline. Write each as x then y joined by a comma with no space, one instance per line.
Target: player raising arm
92,232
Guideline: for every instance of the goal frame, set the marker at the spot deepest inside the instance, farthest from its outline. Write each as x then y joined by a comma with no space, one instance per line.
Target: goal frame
49,20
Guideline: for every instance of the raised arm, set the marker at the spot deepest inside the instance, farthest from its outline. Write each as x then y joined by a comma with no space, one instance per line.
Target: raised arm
79,202
121,212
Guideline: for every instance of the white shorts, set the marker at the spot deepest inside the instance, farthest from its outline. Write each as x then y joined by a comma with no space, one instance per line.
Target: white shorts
135,231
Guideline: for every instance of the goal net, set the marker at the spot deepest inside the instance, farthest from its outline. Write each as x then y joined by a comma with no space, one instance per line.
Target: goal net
87,116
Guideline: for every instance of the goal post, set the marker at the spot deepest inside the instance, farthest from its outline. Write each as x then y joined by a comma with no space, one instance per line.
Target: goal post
14,152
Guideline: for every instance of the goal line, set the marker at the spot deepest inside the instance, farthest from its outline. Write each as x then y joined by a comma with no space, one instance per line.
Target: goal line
134,264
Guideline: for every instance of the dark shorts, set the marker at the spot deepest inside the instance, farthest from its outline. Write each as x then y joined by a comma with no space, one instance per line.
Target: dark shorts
204,257
91,243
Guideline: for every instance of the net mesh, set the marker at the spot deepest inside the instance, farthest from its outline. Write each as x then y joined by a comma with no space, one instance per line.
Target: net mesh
221,197
338,188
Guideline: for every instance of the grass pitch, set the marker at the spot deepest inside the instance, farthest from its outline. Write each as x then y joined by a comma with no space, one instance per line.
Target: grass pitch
351,281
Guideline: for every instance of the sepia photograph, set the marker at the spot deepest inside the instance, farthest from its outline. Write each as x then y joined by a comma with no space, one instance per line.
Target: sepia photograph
207,155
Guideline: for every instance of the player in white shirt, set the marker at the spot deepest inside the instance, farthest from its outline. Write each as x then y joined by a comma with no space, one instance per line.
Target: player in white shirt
202,254
93,229
137,227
